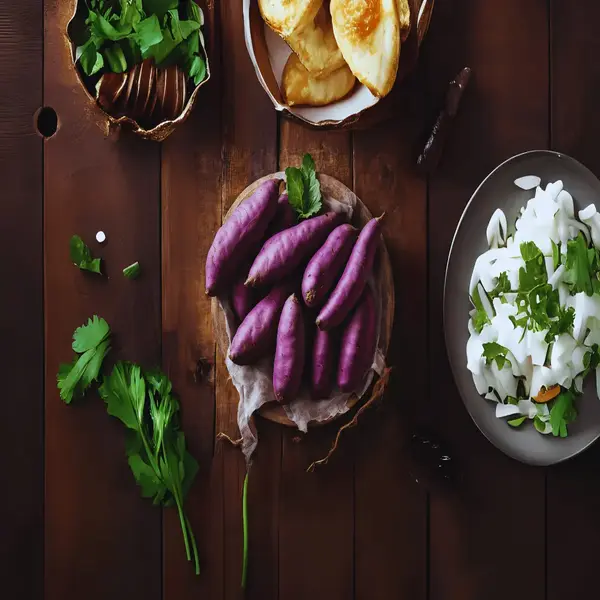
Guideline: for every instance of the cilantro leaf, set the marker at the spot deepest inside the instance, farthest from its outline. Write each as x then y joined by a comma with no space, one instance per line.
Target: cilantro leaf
562,413
555,254
69,376
90,335
578,266
534,273
82,256
304,189
517,422
492,351
148,33
132,271
124,392
159,7
92,371
502,287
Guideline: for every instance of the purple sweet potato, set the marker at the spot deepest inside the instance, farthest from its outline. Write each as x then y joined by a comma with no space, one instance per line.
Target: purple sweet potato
324,268
354,278
324,352
289,353
239,237
243,298
256,335
285,217
286,250
358,344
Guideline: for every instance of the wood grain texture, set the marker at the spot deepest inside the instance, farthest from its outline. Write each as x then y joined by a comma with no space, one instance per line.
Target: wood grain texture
574,487
316,510
390,509
191,214
102,538
482,522
21,303
248,152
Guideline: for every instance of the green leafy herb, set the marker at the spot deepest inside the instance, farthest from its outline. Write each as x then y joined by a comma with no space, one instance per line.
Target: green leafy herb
502,287
562,413
492,351
304,189
578,266
155,446
124,32
480,318
132,271
91,343
82,256
555,254
517,422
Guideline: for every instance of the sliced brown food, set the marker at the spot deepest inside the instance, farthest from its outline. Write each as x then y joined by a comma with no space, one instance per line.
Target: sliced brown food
145,89
127,98
110,87
170,93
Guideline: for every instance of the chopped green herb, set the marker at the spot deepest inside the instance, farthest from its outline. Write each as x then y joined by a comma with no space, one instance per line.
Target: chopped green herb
304,189
578,265
562,413
502,287
480,318
492,351
132,271
555,254
517,422
82,256
91,343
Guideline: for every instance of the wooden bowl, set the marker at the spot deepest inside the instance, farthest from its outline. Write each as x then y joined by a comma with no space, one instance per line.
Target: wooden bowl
384,280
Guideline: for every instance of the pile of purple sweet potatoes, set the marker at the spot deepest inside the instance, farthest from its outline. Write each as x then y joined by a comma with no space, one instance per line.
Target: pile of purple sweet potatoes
300,291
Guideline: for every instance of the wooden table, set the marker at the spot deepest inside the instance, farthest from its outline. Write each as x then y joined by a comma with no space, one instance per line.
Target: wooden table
74,525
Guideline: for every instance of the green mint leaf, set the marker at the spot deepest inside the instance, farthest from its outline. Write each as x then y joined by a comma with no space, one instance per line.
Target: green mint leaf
517,422
90,335
295,189
197,69
186,28
90,59
124,392
132,271
304,189
102,28
82,256
159,7
492,351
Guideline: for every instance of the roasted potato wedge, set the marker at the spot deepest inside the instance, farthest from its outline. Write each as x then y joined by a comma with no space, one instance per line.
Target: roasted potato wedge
368,34
286,16
315,45
300,87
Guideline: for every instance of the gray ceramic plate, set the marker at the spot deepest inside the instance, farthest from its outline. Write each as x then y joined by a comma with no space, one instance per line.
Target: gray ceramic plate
499,191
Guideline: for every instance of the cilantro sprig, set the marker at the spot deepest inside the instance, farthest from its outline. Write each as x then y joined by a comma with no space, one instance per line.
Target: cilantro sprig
122,33
582,266
91,343
492,351
155,445
304,189
81,256
562,413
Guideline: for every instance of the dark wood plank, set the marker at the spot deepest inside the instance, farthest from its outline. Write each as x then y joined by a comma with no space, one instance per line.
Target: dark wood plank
249,152
191,214
504,112
21,239
573,492
102,537
390,509
316,509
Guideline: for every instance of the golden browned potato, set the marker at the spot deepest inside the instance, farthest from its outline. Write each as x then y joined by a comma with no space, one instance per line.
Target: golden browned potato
315,45
404,18
286,16
300,87
368,34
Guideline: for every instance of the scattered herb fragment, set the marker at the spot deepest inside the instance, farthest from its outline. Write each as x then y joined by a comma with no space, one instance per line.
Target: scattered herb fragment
492,351
81,256
517,422
304,189
132,271
562,413
91,342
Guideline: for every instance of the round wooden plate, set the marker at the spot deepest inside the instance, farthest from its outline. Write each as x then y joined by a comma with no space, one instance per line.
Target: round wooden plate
331,188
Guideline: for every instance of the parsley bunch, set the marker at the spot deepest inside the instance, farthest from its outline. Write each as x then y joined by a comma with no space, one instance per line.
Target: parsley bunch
155,446
304,189
122,33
